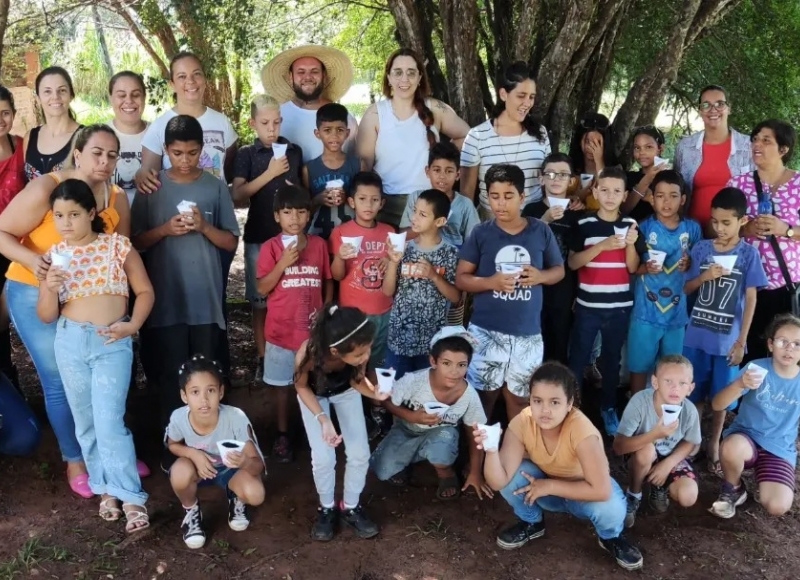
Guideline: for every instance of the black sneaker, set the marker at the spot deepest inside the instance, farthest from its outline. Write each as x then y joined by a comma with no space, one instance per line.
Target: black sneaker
237,514
282,449
631,509
658,499
519,534
382,418
358,520
626,555
194,536
325,526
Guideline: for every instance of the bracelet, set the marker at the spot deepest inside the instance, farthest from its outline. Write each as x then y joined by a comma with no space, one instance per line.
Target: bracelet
739,342
320,414
637,192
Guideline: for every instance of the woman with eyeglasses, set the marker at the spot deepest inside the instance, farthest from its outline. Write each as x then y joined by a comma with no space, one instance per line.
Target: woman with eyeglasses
397,133
591,150
511,135
708,159
773,209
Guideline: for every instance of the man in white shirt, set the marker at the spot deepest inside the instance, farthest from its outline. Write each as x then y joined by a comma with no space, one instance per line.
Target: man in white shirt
304,78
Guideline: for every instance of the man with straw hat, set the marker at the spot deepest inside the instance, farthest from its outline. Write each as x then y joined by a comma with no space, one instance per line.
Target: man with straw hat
303,79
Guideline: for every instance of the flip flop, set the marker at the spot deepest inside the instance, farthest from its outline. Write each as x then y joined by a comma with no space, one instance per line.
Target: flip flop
400,479
80,486
715,467
142,469
109,509
446,484
135,516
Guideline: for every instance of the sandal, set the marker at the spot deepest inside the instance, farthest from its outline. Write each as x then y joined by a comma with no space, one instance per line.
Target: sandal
135,516
400,479
715,467
447,484
109,509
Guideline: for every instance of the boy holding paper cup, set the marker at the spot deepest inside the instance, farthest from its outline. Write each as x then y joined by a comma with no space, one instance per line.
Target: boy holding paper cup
659,429
328,176
726,299
660,315
432,437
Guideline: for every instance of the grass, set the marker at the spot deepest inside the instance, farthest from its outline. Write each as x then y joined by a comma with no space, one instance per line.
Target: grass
31,556
435,529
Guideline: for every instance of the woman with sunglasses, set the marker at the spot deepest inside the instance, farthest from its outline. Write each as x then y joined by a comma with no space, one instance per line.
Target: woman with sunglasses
591,151
708,159
773,209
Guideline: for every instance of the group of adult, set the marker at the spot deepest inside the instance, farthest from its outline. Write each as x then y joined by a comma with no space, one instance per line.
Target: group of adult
123,159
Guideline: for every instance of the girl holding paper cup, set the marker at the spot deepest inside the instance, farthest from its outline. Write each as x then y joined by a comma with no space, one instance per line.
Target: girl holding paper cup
763,434
331,370
552,459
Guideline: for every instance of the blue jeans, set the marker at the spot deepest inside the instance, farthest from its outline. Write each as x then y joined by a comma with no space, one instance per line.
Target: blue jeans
39,339
96,379
406,364
612,324
19,433
607,517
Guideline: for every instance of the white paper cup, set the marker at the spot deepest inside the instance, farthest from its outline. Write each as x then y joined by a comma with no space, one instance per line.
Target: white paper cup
759,370
660,161
511,269
557,202
186,206
334,184
492,442
279,150
586,180
398,241
61,259
435,408
229,446
288,240
620,232
670,413
354,241
727,262
385,380
658,257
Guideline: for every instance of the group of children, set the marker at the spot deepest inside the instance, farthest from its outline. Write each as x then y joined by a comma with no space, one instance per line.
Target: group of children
400,305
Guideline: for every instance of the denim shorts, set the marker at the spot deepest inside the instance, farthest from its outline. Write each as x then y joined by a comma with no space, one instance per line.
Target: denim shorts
401,448
278,366
251,294
648,342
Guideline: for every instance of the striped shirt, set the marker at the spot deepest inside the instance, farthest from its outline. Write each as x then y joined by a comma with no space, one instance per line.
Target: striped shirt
484,148
605,281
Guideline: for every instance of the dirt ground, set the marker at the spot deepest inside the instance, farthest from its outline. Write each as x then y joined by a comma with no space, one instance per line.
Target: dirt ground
46,532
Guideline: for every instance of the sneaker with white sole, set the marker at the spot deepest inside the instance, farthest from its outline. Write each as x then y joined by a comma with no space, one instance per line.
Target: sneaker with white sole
237,514
729,499
194,536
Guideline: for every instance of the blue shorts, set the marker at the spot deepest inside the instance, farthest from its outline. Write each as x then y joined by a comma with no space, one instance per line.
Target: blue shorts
401,448
221,479
711,374
648,342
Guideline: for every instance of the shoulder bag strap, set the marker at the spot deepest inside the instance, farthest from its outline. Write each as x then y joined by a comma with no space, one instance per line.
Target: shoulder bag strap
773,241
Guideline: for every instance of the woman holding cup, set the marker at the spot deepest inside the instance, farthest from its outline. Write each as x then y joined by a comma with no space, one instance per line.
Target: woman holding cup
29,218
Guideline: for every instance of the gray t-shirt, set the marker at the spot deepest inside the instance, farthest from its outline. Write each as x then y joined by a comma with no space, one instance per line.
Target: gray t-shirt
232,424
413,390
462,219
186,271
640,417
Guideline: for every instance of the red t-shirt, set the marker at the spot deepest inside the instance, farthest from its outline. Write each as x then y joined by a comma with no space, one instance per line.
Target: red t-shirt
712,175
298,296
361,286
12,174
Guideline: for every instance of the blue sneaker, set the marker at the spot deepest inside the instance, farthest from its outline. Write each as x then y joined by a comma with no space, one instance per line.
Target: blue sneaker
610,421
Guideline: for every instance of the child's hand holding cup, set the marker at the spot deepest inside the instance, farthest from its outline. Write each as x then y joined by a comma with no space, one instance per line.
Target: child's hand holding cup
754,376
335,192
186,209
351,246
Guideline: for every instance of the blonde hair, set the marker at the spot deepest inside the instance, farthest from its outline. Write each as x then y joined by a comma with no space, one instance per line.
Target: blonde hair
263,102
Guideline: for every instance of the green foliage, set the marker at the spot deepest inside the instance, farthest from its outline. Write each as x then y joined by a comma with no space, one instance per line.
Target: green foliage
88,72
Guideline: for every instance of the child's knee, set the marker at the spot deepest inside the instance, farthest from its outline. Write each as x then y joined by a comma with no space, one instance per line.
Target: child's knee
249,488
776,501
735,447
183,473
645,457
684,492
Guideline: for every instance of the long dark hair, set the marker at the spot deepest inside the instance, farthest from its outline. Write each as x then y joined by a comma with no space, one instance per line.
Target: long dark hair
588,123
79,192
6,95
62,72
336,327
516,73
423,90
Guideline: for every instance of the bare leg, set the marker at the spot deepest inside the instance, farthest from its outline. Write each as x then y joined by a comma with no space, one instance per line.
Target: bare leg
259,318
514,404
488,398
183,477
639,465
638,382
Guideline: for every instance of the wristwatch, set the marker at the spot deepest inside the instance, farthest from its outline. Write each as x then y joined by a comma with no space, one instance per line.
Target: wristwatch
790,232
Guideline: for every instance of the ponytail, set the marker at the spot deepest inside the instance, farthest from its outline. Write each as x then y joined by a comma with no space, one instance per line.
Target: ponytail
516,73
426,116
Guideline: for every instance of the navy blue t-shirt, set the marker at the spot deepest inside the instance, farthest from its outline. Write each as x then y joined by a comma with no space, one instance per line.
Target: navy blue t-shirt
488,246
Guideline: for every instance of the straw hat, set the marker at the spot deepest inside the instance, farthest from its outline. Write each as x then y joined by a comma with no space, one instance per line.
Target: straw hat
277,80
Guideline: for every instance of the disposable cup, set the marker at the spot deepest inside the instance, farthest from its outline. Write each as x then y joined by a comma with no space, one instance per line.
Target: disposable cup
61,259
288,240
670,413
557,202
660,161
759,370
229,446
511,269
186,206
492,441
385,380
727,262
334,184
354,241
586,180
435,408
658,257
279,150
398,241
620,232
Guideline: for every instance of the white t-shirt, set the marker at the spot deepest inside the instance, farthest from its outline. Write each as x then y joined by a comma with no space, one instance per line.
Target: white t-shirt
218,134
130,160
484,147
298,127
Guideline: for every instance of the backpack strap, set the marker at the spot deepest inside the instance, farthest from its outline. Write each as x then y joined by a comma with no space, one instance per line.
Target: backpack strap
773,242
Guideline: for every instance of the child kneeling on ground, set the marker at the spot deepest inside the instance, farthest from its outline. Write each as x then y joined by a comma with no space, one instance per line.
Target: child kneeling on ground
425,434
658,441
192,436
762,437
552,459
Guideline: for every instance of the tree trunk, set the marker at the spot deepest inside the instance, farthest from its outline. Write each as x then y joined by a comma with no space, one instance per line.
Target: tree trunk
5,5
153,19
143,40
460,36
101,40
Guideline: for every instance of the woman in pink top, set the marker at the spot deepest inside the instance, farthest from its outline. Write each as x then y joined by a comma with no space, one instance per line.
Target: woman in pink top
774,219
86,291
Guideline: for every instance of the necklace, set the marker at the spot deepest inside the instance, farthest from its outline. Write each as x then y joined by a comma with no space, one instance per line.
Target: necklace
503,147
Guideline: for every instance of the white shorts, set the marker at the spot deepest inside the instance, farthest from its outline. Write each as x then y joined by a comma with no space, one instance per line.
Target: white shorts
504,359
278,366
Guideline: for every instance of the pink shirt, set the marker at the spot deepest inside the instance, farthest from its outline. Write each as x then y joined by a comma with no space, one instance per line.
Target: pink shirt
786,204
299,293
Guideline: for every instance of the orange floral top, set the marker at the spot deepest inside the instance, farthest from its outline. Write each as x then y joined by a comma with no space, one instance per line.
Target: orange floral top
95,269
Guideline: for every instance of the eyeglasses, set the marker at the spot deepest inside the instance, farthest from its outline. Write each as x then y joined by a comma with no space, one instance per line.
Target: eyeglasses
789,344
599,122
553,176
411,74
718,105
